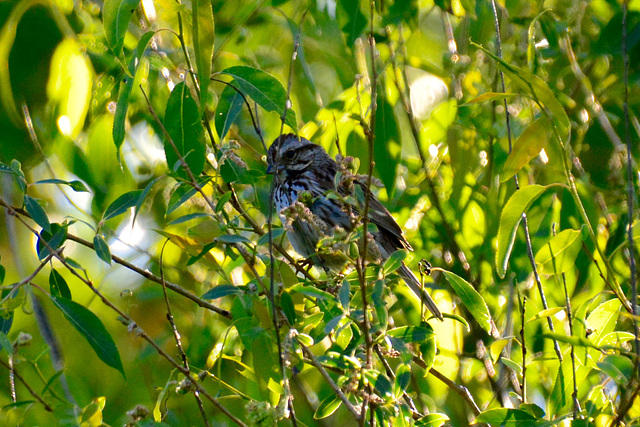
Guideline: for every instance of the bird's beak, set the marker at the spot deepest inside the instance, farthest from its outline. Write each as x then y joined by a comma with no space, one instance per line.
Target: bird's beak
270,169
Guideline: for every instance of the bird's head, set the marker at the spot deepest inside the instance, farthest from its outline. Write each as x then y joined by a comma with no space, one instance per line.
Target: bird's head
292,155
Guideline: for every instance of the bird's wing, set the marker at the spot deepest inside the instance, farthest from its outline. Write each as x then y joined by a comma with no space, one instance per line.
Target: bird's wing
382,218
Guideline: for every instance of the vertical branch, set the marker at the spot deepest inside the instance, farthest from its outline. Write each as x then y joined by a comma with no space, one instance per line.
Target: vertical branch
630,186
272,260
361,264
567,302
176,335
525,223
523,386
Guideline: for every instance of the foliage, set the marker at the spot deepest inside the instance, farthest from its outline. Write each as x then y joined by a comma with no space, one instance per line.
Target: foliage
133,175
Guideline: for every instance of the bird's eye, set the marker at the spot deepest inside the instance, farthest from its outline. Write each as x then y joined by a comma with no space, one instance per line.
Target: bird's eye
289,154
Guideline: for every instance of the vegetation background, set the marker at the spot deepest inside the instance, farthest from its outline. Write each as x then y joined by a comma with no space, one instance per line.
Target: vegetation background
135,247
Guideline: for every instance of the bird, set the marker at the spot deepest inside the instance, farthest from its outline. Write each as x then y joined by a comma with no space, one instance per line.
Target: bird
317,201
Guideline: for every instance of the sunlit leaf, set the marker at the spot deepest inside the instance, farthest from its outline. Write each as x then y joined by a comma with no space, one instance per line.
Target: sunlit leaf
538,89
411,333
394,261
327,407
545,313
509,221
70,96
490,96
560,253
506,417
432,420
531,141
471,299
618,367
116,15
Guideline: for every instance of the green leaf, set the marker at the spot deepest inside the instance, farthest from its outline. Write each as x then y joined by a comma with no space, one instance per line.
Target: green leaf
116,15
471,299
121,204
312,291
538,89
513,365
286,302
188,217
411,333
102,249
54,240
509,221
560,253
92,329
403,378
618,367
5,344
383,385
545,313
183,124
506,417
37,213
489,96
529,144
126,86
227,111
327,407
432,420
203,41
344,294
180,195
221,291
232,238
394,261
386,150
264,239
143,197
332,324
264,89
76,185
58,286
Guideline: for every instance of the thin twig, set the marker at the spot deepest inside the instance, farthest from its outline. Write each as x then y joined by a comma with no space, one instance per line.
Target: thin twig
567,303
412,406
132,325
26,384
631,198
523,346
361,264
525,223
311,358
176,336
462,391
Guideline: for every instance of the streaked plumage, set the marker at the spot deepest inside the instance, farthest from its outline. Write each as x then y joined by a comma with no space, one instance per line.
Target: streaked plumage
301,167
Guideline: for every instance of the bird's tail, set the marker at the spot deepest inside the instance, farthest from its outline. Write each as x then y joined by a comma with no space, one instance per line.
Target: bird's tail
412,281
